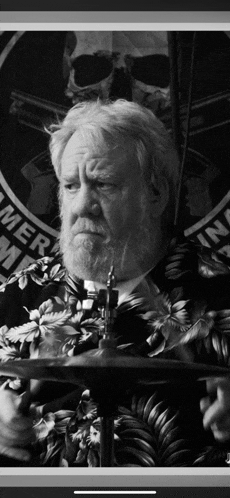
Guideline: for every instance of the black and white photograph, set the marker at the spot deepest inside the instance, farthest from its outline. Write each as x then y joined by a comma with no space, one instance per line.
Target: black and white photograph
115,249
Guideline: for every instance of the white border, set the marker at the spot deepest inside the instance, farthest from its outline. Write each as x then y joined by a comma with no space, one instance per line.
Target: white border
125,26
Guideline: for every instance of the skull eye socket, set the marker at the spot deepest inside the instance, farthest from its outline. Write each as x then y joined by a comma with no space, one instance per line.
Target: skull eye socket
151,70
91,69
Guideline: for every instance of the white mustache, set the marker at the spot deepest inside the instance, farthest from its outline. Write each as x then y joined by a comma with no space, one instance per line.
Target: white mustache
88,226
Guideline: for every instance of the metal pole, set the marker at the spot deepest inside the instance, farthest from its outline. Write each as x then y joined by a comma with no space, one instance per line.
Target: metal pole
107,441
174,89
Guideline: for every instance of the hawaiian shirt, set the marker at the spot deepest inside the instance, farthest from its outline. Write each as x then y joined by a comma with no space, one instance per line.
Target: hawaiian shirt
180,311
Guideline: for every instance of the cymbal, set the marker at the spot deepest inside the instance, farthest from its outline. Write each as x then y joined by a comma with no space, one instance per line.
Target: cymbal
110,366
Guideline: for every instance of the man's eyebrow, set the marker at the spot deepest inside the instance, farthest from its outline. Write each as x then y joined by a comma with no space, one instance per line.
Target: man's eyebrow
102,176
93,177
70,177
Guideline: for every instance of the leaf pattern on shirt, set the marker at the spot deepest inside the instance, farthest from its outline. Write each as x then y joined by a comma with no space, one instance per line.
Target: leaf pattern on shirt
147,433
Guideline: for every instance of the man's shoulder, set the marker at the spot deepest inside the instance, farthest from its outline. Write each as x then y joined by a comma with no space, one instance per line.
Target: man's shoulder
188,260
196,273
41,271
26,288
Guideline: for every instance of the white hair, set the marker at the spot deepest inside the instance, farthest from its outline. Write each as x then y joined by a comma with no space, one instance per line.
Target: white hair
120,121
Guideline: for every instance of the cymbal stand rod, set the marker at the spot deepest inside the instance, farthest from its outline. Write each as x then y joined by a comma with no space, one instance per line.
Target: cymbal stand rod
109,308
26,399
106,410
107,441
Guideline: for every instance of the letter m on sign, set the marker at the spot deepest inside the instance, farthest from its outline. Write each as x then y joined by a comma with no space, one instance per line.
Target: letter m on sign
8,254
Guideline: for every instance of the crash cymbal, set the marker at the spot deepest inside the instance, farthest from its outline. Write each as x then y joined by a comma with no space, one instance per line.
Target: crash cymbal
110,366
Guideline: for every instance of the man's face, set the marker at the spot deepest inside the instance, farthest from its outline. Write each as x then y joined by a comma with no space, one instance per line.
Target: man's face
102,210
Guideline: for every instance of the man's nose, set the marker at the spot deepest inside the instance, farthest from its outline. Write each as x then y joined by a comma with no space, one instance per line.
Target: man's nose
85,203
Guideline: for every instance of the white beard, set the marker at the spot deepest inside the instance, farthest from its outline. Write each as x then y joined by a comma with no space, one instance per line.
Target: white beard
85,259
91,258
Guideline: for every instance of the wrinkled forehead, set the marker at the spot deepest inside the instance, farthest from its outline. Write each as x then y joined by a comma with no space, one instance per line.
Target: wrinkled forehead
97,137
99,160
83,144
136,43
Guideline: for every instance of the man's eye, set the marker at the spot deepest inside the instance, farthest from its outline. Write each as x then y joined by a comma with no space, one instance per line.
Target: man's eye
71,187
105,186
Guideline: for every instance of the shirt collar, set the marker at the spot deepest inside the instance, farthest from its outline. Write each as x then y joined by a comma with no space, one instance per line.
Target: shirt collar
124,288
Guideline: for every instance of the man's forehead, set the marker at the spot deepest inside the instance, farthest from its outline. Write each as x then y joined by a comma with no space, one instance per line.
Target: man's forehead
82,149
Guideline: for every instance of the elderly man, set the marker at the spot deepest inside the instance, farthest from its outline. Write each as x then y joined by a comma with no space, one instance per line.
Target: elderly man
118,174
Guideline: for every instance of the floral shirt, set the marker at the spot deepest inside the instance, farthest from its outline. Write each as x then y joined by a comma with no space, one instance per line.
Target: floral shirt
180,311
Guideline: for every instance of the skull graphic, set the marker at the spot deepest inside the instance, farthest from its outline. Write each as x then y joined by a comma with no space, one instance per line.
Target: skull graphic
118,64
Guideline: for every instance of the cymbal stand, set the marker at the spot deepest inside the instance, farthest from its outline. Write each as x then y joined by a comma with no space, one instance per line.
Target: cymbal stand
106,395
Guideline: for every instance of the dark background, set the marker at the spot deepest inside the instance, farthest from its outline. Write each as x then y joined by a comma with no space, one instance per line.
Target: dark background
35,66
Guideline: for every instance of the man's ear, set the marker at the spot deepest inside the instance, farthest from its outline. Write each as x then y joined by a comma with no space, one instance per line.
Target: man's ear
159,196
